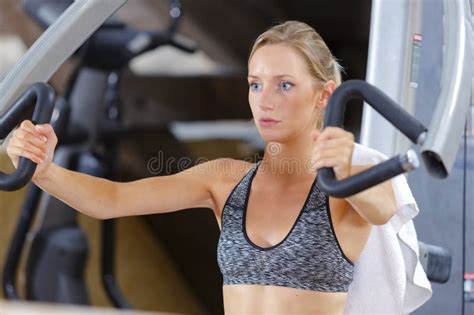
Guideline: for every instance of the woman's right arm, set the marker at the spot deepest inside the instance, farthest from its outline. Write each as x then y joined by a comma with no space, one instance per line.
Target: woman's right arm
102,198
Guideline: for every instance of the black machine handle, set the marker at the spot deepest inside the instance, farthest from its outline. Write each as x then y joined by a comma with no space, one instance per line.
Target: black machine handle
168,36
39,97
112,48
396,115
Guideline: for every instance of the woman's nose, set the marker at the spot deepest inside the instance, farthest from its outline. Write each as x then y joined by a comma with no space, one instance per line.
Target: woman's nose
266,100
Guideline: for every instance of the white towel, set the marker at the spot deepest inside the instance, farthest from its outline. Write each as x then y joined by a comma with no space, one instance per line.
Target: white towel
389,278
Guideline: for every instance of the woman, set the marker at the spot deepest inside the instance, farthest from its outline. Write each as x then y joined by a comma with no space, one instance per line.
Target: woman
285,246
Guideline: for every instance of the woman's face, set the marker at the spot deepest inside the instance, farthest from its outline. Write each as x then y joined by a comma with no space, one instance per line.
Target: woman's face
283,97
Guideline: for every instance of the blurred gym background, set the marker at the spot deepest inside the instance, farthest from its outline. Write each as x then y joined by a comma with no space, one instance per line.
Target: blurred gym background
168,262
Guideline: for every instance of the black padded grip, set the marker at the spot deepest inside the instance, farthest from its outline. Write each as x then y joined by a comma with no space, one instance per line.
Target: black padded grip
402,120
40,97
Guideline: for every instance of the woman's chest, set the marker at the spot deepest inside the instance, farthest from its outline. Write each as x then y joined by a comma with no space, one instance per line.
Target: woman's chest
267,218
268,214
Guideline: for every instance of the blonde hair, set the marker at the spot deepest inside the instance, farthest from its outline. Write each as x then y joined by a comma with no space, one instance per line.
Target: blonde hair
320,62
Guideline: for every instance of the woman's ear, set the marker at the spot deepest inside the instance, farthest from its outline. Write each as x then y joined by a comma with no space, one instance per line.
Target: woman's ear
325,93
327,90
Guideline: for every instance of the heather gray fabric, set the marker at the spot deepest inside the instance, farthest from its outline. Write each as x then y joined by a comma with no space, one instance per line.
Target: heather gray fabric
309,257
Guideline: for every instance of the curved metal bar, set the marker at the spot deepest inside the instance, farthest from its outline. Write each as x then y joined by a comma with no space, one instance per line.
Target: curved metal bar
412,128
442,141
39,96
55,45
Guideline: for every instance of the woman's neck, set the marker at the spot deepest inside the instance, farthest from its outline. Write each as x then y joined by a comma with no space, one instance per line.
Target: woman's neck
288,161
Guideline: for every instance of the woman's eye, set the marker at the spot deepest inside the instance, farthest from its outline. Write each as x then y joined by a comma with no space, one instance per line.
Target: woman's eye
285,86
255,86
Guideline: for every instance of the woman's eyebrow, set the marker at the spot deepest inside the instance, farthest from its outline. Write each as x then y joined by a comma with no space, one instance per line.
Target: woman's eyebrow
275,76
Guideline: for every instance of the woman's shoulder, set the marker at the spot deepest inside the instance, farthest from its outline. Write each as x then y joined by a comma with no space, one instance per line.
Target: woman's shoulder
227,174
229,169
223,174
221,170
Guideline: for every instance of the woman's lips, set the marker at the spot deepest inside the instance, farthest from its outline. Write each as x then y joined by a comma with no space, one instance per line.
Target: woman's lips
266,122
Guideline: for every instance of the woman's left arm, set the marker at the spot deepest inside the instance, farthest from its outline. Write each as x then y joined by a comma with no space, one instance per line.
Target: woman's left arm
377,204
333,148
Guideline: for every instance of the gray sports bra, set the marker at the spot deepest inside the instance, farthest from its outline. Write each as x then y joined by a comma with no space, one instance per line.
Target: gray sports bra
309,257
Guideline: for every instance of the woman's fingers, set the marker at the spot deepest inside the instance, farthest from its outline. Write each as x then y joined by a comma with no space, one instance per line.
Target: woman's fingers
333,144
35,138
47,131
28,143
332,162
28,126
24,152
342,153
35,143
333,148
